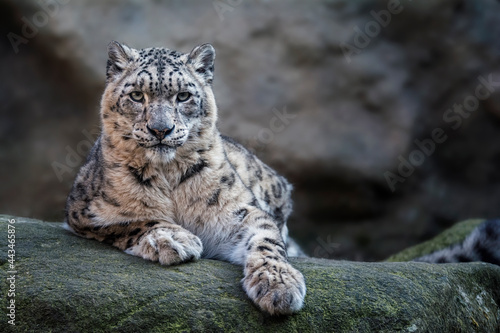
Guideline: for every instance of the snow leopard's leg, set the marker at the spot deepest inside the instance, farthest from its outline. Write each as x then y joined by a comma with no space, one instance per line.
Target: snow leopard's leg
482,244
156,240
164,242
269,280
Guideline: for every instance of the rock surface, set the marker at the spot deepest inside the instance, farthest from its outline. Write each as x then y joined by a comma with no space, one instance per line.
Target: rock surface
354,119
68,284
451,236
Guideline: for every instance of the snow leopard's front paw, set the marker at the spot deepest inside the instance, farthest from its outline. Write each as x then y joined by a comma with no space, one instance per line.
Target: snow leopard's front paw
274,285
169,247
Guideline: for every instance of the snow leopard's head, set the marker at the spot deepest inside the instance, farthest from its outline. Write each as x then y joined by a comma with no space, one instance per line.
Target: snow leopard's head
158,100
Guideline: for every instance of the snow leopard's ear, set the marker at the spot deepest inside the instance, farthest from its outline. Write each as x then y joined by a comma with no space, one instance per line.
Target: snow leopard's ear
202,60
119,56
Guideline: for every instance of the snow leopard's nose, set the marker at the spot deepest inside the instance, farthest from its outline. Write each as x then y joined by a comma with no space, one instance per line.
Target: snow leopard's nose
160,132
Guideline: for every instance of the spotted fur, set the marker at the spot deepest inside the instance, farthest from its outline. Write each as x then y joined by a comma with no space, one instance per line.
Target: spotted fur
482,244
162,183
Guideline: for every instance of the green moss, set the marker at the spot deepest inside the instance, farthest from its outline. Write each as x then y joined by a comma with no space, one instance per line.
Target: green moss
70,284
453,235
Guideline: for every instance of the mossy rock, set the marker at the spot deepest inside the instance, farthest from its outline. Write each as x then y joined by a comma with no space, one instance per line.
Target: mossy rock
453,235
67,284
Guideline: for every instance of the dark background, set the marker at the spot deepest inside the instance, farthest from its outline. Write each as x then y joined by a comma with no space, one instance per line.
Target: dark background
355,117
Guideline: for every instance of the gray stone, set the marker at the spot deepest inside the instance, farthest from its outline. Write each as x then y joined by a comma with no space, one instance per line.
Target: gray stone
449,237
68,284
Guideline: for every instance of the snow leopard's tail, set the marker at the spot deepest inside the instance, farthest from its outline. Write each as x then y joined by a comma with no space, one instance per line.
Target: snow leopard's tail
482,244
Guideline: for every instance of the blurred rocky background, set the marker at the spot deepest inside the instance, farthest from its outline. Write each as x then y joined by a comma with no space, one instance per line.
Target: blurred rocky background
333,94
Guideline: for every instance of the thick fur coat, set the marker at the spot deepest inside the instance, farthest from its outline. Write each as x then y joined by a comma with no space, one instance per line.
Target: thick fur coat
163,184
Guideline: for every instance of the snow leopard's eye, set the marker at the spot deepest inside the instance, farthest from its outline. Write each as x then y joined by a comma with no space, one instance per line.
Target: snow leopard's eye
136,96
183,96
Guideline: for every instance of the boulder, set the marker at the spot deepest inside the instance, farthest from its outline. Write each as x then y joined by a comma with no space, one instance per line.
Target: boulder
67,284
450,236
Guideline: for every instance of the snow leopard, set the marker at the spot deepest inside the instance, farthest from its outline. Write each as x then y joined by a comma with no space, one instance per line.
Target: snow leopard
163,184
481,244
